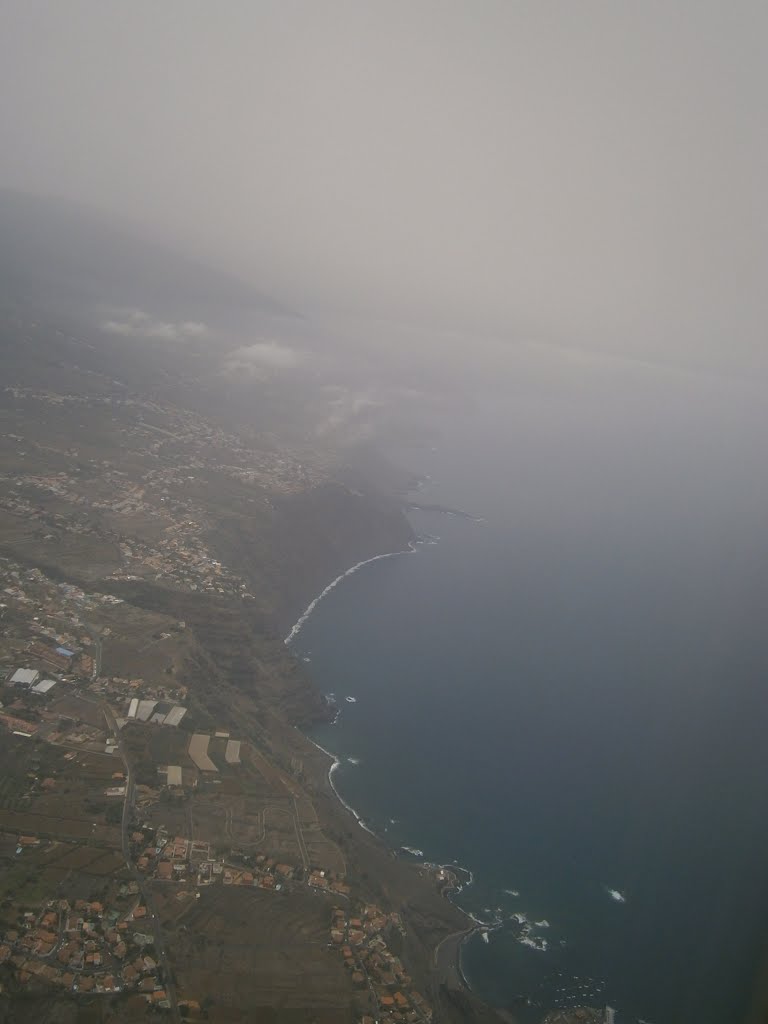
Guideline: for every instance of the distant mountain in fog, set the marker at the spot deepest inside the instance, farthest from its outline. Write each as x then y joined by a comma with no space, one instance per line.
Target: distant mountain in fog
57,253
82,288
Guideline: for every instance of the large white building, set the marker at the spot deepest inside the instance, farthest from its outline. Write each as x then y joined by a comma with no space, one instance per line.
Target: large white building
25,677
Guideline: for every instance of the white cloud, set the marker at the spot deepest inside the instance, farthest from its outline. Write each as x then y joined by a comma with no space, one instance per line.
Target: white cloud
135,323
349,414
262,356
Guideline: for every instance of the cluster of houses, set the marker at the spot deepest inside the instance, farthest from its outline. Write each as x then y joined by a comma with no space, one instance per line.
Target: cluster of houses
182,559
328,880
43,660
266,873
28,691
86,946
373,966
158,855
39,653
176,859
122,689
282,472
26,686
46,602
173,453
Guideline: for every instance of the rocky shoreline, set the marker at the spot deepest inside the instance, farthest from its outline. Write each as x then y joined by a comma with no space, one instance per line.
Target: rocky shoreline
445,954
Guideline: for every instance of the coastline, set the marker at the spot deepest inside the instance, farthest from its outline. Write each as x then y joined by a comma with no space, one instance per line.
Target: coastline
336,761
447,954
447,957
297,626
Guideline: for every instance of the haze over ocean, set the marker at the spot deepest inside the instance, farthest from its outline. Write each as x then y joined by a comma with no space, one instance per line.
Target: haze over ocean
568,698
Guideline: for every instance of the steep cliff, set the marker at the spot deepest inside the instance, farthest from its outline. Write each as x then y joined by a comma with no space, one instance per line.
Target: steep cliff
310,539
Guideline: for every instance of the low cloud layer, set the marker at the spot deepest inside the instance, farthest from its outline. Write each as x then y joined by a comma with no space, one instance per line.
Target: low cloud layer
135,323
585,174
262,359
349,414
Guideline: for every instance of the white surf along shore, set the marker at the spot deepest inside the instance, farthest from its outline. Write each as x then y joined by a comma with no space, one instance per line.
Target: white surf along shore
297,626
336,761
528,931
477,924
296,629
339,797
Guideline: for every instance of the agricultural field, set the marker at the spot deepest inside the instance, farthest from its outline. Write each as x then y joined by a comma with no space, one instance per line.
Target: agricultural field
252,806
17,757
144,645
55,869
151,746
227,814
79,710
77,556
57,793
258,952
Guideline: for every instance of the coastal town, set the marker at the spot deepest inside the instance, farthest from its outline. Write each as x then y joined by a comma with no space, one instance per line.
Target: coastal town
157,794
373,966
78,738
107,944
140,502
87,946
383,512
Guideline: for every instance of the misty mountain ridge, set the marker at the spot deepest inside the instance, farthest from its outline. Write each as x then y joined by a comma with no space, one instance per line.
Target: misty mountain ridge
85,303
80,290
60,253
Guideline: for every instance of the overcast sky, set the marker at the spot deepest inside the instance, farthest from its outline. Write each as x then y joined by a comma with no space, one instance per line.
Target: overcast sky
590,174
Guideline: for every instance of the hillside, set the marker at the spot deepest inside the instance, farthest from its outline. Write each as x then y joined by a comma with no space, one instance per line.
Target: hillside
166,550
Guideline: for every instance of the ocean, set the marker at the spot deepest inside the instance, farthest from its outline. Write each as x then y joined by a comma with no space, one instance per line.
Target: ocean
568,698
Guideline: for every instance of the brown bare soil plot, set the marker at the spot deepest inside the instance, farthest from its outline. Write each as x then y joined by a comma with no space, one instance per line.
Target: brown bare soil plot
253,950
134,650
75,807
58,826
75,707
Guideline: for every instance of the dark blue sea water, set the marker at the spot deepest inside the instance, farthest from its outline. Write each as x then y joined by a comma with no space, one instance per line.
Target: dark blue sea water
569,698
